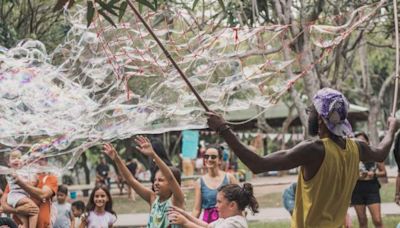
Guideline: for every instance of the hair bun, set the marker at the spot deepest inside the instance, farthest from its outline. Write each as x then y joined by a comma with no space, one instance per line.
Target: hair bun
247,189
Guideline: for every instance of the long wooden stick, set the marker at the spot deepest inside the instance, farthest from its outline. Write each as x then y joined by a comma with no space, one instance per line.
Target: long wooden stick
168,55
396,87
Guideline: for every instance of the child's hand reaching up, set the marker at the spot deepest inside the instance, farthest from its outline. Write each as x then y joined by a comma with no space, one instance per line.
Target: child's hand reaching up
144,146
110,151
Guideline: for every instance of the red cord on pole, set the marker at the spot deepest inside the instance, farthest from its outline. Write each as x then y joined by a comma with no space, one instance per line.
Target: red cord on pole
168,56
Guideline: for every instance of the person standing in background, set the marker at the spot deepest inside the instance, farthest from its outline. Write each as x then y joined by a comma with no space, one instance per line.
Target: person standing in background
206,188
102,171
366,192
132,167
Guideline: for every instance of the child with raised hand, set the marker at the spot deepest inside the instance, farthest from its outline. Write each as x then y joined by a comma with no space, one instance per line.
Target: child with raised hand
99,208
167,190
232,200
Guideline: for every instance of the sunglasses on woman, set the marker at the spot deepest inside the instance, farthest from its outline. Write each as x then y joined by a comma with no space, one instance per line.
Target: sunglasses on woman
212,156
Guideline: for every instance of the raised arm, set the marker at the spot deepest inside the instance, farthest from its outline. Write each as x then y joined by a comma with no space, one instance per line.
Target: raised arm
302,154
139,188
380,152
144,145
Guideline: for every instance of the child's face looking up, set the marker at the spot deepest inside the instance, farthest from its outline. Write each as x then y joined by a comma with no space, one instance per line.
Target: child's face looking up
15,160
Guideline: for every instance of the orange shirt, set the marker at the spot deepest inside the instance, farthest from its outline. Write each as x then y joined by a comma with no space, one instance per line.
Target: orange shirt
44,207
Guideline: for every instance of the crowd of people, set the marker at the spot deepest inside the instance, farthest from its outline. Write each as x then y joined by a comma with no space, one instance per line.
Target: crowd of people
337,170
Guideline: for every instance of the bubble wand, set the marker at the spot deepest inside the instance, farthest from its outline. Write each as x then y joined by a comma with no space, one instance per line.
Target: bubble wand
396,86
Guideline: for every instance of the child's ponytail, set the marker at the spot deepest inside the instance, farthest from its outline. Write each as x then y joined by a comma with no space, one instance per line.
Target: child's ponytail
243,196
248,197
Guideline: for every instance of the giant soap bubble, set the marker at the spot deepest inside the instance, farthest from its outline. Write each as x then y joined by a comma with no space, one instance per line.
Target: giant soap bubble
105,83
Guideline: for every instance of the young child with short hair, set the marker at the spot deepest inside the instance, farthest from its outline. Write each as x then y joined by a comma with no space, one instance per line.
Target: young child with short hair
64,219
78,208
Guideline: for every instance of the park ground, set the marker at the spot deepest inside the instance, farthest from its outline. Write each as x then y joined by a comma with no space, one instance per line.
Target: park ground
268,191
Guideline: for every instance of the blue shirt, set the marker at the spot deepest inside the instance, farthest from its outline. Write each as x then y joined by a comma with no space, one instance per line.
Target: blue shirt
64,214
208,195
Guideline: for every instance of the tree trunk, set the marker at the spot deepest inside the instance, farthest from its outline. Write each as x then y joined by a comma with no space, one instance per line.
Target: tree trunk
3,159
284,14
311,82
87,172
3,162
373,118
128,147
364,67
373,101
262,124
285,126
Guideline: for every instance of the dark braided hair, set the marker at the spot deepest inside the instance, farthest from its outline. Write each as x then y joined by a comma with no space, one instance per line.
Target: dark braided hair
243,196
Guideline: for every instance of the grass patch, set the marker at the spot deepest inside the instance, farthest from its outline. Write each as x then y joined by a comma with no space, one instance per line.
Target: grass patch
387,192
270,200
277,224
123,205
388,221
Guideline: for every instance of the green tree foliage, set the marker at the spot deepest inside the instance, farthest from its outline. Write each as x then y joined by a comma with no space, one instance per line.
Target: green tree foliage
22,19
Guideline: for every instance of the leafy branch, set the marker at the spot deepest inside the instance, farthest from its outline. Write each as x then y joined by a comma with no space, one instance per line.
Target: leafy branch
104,8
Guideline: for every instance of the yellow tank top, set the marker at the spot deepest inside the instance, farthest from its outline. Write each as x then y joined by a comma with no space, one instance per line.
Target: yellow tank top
322,202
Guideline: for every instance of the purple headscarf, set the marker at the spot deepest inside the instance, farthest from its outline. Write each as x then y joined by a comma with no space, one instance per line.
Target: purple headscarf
333,107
